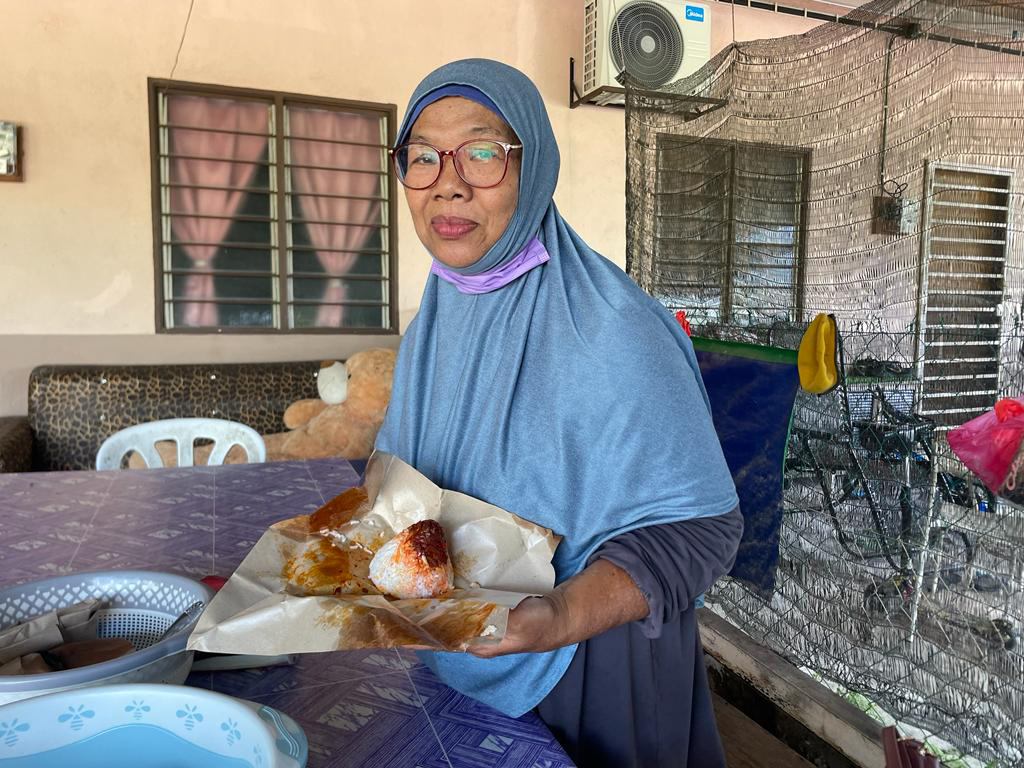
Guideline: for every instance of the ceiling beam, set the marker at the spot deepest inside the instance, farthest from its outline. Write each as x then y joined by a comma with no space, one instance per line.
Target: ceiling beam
896,24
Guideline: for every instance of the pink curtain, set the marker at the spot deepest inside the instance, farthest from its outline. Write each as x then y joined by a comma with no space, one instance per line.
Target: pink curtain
223,115
312,183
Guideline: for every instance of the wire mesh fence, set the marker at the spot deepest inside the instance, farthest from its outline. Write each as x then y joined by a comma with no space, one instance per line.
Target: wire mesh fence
871,169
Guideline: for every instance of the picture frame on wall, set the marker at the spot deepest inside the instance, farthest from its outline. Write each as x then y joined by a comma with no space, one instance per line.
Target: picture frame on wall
11,152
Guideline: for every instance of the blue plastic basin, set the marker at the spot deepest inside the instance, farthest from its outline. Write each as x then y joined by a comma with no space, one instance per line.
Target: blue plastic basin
147,726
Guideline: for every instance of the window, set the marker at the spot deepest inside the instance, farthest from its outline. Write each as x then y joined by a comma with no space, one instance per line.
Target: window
272,212
962,293
729,229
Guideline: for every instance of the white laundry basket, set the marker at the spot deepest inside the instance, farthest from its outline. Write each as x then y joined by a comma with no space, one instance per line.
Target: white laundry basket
141,606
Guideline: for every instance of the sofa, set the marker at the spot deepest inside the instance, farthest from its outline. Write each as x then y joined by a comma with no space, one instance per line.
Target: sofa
73,409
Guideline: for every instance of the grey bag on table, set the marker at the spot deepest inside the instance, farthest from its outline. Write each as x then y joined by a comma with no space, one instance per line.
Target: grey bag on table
21,644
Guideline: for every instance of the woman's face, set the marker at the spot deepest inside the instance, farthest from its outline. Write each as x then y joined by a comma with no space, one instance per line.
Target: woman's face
456,222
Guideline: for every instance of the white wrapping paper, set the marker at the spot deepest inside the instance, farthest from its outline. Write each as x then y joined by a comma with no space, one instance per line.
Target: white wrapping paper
298,591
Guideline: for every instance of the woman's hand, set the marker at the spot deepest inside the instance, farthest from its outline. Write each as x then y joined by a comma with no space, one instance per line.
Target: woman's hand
600,597
536,624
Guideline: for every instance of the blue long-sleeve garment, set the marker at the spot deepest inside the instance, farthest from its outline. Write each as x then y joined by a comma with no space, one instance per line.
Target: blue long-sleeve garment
637,695
674,563
567,396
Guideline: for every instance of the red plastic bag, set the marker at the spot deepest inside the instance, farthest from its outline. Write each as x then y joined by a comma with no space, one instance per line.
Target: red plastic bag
989,446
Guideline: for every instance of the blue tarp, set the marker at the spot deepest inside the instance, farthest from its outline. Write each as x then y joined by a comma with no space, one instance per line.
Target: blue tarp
752,390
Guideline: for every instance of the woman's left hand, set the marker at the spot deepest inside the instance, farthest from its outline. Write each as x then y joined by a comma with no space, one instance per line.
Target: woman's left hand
593,601
536,624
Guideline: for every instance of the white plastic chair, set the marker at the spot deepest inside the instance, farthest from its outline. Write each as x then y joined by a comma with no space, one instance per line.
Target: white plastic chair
142,438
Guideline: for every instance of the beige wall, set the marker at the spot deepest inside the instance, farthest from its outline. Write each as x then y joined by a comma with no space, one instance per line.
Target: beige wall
76,253
752,24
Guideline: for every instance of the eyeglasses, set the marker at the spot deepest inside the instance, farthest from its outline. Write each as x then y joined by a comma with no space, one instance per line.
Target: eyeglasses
481,163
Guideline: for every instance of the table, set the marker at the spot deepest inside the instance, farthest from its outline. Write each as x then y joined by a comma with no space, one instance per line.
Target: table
365,708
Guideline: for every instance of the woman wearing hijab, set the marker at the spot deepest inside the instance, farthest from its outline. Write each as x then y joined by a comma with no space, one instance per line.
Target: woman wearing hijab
536,376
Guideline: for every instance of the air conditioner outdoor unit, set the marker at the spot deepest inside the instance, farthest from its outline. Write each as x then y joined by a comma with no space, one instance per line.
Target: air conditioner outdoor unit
654,41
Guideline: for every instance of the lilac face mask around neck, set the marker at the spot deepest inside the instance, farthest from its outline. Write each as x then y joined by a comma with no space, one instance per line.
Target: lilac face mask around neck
533,255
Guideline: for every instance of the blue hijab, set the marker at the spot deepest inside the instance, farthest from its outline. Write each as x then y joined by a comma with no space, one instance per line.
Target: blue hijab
567,396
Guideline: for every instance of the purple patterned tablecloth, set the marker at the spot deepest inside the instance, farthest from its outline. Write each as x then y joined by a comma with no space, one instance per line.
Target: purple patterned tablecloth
366,708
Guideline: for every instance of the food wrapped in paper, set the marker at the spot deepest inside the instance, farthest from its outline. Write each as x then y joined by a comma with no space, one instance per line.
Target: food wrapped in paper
305,585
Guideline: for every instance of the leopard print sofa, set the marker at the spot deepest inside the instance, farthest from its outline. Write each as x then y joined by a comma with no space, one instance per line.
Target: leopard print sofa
15,444
73,409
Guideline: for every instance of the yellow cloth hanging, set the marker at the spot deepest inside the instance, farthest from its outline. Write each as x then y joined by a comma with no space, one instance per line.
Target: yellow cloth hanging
816,358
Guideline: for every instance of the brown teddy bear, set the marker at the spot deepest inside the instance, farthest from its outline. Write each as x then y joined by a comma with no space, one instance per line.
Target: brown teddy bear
344,421
341,423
